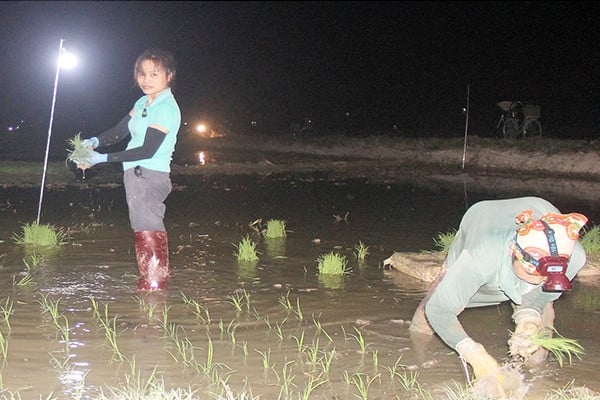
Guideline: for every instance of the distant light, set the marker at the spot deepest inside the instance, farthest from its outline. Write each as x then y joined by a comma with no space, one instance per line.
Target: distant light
201,128
67,60
201,158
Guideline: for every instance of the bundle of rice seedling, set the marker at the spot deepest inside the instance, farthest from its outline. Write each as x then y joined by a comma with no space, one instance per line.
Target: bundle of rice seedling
246,250
275,229
559,346
332,264
78,153
590,240
443,241
41,235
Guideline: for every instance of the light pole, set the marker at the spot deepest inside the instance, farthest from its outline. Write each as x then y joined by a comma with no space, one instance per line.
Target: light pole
64,60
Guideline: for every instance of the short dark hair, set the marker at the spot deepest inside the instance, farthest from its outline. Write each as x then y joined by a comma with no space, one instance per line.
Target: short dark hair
161,57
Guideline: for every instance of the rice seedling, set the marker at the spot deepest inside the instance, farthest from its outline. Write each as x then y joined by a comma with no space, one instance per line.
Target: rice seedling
236,301
562,348
298,311
35,260
590,240
50,307
326,361
362,383
185,352
64,331
359,338
332,264
443,241
110,333
246,250
320,330
299,341
312,352
361,251
25,280
136,388
266,358
408,380
275,229
3,346
199,310
286,380
78,153
285,302
570,392
394,370
312,383
6,311
279,331
375,357
41,235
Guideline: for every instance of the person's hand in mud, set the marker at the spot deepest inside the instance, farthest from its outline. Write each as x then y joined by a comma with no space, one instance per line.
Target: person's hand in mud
491,380
528,323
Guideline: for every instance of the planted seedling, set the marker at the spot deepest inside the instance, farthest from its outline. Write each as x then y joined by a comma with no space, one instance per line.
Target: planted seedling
41,235
246,250
443,241
275,229
332,264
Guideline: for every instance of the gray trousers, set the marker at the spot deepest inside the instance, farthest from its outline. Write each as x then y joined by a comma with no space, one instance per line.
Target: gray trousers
146,190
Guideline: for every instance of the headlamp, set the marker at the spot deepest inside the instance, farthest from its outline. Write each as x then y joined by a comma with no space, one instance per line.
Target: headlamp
554,268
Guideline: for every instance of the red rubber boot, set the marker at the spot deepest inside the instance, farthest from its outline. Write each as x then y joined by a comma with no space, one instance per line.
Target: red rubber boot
152,255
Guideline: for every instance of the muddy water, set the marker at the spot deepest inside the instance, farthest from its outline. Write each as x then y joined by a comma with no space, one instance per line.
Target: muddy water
91,281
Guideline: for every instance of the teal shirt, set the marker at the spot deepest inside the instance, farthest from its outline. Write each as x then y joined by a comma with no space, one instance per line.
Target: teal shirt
479,266
163,111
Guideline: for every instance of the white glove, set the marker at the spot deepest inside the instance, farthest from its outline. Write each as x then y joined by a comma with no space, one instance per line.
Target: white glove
475,354
491,380
91,142
528,323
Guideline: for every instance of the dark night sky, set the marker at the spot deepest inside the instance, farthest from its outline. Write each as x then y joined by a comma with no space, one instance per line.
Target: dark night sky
404,63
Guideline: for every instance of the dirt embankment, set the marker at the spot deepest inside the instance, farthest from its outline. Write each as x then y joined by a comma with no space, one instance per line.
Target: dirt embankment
534,166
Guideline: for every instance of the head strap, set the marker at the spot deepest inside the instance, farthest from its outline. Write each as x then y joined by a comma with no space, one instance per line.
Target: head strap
549,232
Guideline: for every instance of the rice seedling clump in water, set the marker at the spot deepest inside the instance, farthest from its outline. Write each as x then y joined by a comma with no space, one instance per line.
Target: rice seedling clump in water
41,235
246,250
590,240
443,241
78,153
275,229
361,251
332,264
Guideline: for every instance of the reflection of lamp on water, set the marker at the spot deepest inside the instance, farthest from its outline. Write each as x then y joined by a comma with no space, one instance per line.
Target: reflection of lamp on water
201,158
65,60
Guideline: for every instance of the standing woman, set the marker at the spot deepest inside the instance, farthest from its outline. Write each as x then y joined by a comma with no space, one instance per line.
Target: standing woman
152,124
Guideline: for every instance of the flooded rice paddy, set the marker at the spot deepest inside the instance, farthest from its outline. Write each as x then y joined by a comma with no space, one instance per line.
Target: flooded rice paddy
77,326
